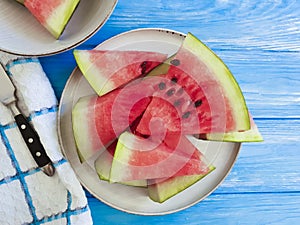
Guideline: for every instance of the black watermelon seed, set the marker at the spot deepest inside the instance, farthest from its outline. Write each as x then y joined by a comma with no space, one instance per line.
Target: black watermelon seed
175,62
144,67
177,103
174,80
143,64
186,115
198,103
161,86
170,91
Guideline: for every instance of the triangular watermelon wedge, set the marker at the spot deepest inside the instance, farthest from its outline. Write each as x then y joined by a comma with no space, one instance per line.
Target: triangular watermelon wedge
137,158
199,93
108,70
236,111
52,14
165,189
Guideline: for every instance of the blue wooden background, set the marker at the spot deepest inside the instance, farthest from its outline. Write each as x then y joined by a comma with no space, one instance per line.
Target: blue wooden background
260,43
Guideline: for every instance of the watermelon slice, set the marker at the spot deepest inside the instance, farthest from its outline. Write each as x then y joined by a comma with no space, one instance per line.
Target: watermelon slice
107,70
97,121
198,92
52,14
103,166
137,158
165,189
252,135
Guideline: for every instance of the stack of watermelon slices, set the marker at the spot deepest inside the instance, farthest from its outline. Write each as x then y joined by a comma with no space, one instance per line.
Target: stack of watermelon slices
135,128
54,15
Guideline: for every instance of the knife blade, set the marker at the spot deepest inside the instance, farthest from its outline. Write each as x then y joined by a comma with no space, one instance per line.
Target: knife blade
30,136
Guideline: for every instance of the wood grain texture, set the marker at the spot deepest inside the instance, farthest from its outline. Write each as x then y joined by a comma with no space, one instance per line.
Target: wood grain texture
216,209
271,166
260,43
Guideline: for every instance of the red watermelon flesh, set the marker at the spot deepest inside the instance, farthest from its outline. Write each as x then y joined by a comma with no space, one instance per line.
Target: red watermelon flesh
99,120
206,101
135,160
52,14
173,140
108,70
181,145
183,105
176,141
110,112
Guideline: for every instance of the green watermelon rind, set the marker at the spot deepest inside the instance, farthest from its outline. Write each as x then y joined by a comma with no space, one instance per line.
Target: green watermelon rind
174,186
97,76
58,20
77,126
71,6
103,165
223,74
84,64
82,135
162,68
117,172
252,135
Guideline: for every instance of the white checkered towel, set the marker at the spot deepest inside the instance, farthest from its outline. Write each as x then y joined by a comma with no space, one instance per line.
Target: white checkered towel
28,196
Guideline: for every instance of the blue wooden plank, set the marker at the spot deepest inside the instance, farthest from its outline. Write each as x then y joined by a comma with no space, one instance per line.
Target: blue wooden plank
270,166
216,209
245,24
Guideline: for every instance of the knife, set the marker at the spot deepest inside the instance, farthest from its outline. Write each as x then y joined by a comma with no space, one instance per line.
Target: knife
30,136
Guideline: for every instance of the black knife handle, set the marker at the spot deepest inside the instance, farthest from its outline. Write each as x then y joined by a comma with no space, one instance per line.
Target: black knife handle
34,144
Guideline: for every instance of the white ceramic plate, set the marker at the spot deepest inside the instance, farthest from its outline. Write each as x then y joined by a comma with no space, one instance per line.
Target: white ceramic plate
21,34
134,199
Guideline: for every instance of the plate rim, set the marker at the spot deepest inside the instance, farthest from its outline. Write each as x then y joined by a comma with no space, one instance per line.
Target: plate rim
69,80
